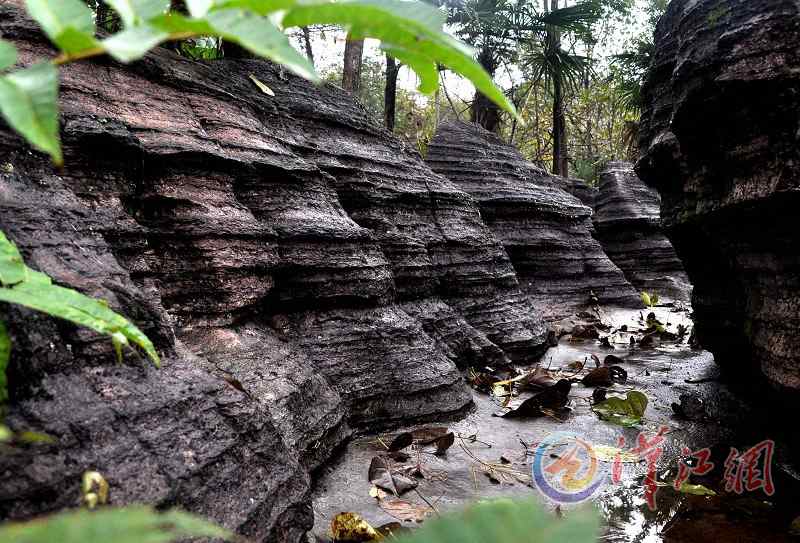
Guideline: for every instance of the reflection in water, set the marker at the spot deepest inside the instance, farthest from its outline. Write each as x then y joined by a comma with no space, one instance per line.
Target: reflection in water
630,519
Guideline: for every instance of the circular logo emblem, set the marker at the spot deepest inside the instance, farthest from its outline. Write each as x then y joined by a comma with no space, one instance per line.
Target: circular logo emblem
565,468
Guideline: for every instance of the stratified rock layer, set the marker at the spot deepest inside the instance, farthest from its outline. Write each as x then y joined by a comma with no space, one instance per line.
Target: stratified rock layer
627,222
299,271
719,141
545,230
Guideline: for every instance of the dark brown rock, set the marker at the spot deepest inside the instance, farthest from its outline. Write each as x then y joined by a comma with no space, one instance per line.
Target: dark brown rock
627,222
545,230
719,141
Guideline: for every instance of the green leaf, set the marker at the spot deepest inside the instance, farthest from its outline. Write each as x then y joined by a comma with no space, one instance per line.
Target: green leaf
262,7
646,299
12,267
697,490
133,12
6,435
5,354
260,36
68,23
135,524
39,293
399,26
29,103
134,43
626,411
508,521
426,70
8,55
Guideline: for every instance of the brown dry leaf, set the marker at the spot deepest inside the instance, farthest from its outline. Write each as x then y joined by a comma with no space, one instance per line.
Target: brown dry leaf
444,443
401,441
352,527
405,511
428,435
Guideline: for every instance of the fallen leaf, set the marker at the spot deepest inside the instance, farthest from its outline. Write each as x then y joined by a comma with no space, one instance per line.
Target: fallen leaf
444,443
352,527
697,490
626,411
377,493
265,89
606,453
605,376
392,529
379,474
382,475
554,397
580,331
401,441
428,435
611,360
405,511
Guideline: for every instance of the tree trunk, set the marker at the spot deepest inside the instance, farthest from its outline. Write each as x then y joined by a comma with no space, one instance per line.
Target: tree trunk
559,130
307,42
390,92
351,74
483,111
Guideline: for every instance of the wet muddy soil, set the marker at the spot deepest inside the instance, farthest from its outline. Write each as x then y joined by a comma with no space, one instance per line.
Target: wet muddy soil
491,456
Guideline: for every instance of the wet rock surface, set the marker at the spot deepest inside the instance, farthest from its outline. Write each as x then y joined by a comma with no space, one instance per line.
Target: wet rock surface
718,140
492,456
545,230
628,224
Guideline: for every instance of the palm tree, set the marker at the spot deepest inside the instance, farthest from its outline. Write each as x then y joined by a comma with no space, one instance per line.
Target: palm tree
544,58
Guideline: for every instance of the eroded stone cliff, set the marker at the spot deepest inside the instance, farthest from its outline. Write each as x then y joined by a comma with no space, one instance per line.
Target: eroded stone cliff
300,272
545,230
627,223
719,141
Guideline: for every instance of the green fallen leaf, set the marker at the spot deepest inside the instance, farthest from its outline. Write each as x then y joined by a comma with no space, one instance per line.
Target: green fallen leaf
264,88
697,490
135,524
8,55
68,23
29,103
626,411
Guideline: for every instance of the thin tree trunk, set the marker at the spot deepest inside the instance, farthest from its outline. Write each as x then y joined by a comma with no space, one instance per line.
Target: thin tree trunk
307,42
390,92
351,74
559,130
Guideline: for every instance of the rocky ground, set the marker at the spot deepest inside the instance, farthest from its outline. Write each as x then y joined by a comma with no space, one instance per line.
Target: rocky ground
491,456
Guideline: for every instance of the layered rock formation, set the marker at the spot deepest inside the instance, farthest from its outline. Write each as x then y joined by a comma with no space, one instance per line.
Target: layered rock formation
300,272
581,190
627,222
719,141
545,230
